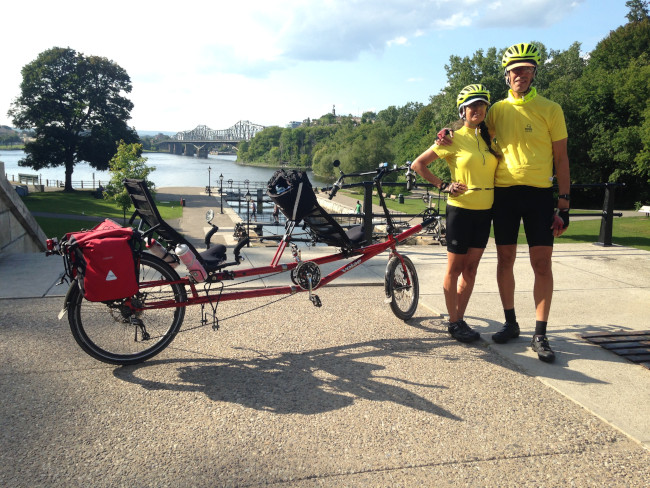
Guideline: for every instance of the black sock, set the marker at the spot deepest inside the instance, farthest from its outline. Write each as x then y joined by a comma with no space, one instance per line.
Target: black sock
540,327
511,318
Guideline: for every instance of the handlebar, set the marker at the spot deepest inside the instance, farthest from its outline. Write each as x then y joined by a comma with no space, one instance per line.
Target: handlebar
377,174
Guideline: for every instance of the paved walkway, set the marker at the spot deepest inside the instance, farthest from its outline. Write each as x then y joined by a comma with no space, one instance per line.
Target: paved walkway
346,394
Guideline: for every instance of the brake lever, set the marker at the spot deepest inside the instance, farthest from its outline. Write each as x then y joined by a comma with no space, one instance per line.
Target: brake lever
410,176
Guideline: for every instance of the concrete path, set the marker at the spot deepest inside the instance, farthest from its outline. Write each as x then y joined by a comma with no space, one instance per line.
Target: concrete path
342,395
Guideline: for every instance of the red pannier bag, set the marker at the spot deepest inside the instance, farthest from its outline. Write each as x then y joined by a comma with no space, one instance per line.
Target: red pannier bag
103,261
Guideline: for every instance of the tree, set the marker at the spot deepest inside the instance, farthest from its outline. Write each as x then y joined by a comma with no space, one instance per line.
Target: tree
127,163
614,110
638,10
76,106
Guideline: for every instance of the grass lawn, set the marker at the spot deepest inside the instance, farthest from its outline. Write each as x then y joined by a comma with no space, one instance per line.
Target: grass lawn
626,231
82,202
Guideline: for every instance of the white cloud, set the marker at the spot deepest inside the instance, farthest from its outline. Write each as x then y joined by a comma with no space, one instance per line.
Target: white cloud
531,13
201,61
398,41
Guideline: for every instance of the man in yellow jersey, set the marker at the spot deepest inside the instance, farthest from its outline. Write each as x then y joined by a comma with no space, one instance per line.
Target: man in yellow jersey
531,132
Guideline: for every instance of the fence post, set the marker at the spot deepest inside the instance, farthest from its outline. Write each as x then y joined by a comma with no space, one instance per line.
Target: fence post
607,221
367,211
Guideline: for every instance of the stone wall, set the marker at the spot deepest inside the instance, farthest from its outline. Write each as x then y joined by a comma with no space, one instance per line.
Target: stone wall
19,232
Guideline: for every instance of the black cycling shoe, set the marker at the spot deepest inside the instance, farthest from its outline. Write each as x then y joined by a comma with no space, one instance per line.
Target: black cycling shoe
540,345
509,331
462,332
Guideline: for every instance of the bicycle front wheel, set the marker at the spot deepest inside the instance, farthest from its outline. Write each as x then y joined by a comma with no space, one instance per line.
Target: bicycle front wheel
402,287
114,333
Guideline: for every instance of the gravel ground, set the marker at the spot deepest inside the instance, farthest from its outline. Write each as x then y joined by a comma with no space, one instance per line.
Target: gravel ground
290,394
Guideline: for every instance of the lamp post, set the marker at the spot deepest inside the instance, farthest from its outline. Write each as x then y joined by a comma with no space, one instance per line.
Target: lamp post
248,216
221,190
209,189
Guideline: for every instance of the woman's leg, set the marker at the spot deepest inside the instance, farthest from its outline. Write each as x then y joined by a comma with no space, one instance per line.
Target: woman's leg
468,278
455,266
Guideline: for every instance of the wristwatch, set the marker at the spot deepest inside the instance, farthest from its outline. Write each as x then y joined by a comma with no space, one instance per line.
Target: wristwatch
565,196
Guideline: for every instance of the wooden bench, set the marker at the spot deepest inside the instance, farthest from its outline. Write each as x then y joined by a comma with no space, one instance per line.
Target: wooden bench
25,178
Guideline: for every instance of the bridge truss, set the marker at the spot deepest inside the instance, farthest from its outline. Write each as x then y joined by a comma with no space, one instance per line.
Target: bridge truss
241,131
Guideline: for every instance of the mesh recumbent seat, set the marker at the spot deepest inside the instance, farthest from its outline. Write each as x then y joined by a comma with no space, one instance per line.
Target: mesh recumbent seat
146,209
294,195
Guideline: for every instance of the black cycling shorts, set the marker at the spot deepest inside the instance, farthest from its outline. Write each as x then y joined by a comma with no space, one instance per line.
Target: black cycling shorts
467,228
535,206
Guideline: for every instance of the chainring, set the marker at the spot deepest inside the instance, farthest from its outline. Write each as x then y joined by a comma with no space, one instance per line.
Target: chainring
301,274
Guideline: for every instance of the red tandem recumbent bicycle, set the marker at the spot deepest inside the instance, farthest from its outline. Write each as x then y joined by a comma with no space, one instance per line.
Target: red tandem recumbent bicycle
126,302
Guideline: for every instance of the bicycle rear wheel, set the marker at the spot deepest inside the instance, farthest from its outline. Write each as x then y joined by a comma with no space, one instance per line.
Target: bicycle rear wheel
402,287
113,333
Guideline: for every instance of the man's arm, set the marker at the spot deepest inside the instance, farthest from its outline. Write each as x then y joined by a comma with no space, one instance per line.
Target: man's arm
561,161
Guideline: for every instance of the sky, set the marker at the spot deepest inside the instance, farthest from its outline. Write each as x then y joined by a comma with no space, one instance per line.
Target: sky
271,62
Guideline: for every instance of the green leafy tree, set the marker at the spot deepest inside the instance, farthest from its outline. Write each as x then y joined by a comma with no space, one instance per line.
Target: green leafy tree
638,10
127,163
613,110
76,106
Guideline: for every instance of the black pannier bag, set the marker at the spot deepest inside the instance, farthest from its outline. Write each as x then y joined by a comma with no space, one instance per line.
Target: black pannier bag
292,192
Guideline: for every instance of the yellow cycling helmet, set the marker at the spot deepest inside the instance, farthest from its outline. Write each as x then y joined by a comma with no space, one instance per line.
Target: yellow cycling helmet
521,55
471,94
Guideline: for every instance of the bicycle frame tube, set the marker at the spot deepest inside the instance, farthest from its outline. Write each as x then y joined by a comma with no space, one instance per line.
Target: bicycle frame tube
362,255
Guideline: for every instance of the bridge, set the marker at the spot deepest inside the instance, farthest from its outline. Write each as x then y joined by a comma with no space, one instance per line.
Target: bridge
202,139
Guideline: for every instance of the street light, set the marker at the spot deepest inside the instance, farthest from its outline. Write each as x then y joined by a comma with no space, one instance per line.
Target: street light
221,190
248,216
209,189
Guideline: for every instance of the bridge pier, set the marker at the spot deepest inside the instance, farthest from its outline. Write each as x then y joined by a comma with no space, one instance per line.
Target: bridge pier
177,148
189,150
202,151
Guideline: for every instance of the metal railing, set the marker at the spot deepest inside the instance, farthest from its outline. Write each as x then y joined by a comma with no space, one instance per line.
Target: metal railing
607,215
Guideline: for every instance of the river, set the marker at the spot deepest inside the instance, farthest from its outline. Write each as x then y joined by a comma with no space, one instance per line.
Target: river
171,170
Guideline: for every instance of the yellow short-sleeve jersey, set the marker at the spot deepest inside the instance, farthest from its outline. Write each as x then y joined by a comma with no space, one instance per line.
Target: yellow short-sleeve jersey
525,133
471,162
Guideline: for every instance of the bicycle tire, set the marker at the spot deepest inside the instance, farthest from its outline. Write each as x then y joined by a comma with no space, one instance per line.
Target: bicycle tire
403,296
105,330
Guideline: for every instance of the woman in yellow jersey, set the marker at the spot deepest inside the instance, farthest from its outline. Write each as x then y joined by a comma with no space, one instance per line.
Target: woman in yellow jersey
472,162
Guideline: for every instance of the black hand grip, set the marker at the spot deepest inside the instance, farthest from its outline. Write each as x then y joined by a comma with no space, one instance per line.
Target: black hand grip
209,235
238,248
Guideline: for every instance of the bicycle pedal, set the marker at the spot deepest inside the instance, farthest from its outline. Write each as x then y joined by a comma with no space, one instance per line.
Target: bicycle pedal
316,301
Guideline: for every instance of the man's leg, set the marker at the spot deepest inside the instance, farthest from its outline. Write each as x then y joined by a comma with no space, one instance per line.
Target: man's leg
541,261
506,255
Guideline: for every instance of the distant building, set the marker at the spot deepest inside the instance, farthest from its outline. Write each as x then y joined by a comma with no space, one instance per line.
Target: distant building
293,124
